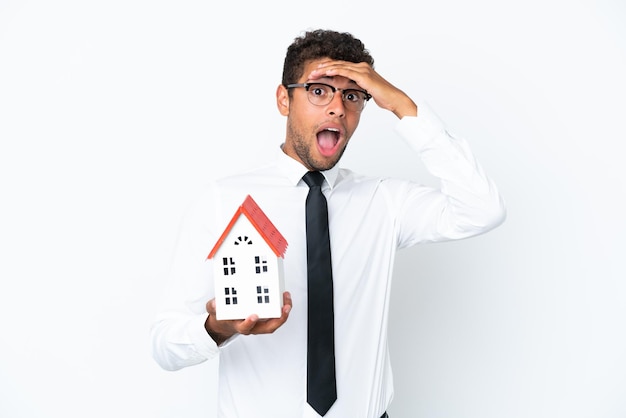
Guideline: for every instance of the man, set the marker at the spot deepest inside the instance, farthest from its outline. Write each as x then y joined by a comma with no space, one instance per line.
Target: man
327,79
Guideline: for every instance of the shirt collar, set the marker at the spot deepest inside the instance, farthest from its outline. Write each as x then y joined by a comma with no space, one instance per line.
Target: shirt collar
294,170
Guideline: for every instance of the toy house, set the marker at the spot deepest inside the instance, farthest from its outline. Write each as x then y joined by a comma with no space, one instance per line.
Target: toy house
248,265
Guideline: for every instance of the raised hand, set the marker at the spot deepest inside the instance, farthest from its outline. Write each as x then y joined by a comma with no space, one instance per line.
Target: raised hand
385,94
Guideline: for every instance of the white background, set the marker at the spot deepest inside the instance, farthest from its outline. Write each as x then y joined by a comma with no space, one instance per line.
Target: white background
113,112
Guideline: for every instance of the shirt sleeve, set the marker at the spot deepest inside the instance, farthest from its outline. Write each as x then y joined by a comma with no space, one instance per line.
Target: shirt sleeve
467,203
178,336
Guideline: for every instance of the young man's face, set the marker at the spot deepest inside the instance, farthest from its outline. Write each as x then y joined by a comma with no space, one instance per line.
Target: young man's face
317,135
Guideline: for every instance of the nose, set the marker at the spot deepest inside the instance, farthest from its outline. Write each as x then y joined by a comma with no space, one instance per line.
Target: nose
336,106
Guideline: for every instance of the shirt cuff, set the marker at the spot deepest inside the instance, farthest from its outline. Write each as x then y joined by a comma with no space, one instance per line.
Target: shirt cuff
421,130
202,341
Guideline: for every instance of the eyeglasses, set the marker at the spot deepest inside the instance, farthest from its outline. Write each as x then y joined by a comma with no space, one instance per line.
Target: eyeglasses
321,94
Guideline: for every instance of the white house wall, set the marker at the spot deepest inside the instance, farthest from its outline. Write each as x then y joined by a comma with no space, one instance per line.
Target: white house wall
248,275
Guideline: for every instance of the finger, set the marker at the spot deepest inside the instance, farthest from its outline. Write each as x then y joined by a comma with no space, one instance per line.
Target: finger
287,300
342,64
271,325
287,305
342,68
210,307
328,71
246,326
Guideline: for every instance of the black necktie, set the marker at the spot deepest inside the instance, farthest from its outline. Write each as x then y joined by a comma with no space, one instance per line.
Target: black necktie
321,385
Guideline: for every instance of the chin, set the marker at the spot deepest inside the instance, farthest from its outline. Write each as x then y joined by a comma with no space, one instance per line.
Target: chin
324,165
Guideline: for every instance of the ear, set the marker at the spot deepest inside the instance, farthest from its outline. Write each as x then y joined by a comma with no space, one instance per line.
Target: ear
282,100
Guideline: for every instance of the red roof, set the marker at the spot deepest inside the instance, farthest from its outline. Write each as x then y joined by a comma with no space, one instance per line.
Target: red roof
261,223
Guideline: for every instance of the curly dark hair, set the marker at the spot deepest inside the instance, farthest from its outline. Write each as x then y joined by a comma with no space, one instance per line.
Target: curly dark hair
318,44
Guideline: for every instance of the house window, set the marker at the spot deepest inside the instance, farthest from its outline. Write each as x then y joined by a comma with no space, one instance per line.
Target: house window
260,264
243,240
262,294
231,295
229,265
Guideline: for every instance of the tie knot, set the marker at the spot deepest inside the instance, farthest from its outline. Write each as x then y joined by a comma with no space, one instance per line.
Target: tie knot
313,178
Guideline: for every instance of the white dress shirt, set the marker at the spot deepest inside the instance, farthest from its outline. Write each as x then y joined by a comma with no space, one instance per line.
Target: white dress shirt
264,376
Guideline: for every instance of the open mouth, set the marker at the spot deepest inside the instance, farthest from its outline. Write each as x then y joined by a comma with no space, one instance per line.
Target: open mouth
327,140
